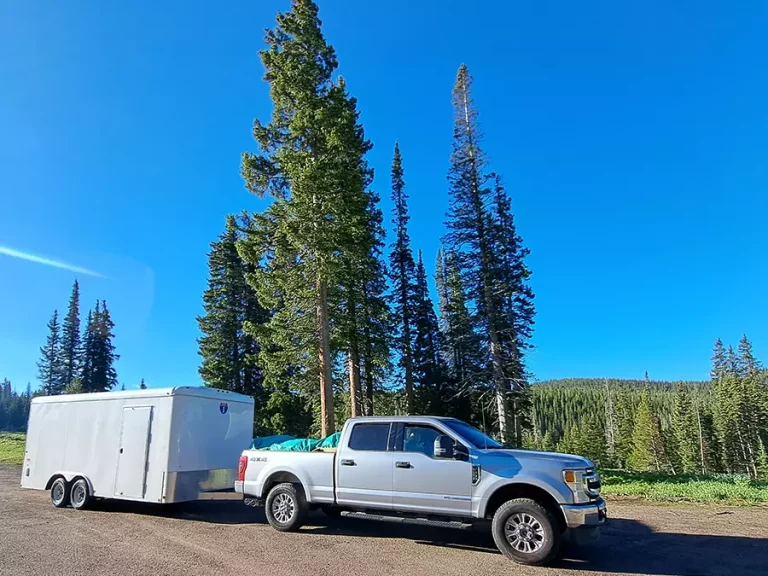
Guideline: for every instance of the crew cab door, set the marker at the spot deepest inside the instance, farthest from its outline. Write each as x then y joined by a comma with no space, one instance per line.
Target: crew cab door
423,483
364,467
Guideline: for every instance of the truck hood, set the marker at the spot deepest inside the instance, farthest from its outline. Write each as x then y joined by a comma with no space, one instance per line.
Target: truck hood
564,460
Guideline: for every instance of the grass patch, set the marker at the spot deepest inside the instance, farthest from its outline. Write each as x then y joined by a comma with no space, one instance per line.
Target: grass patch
721,488
12,447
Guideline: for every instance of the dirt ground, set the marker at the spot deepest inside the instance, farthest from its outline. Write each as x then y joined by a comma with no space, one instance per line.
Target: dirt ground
120,538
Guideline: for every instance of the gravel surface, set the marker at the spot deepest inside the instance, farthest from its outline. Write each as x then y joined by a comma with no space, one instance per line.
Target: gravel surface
121,538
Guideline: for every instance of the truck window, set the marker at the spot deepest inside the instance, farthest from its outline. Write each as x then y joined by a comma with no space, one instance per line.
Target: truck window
369,437
420,438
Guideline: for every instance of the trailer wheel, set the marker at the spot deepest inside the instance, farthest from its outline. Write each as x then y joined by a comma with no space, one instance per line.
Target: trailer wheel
79,495
59,493
286,507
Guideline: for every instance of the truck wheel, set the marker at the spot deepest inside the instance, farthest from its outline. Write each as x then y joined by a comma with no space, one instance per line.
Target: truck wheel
59,493
286,508
79,496
524,531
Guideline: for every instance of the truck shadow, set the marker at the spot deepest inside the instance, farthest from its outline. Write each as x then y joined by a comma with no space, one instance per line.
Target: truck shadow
626,546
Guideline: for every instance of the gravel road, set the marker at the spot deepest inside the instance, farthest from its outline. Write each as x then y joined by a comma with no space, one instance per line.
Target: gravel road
221,538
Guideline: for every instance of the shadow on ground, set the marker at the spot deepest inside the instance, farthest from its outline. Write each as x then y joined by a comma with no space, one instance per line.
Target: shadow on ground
626,546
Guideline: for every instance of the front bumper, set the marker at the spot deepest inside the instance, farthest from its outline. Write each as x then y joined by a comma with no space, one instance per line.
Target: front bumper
580,515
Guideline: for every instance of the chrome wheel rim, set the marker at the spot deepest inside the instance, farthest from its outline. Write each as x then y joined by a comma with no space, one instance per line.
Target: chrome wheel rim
283,508
78,495
524,533
58,492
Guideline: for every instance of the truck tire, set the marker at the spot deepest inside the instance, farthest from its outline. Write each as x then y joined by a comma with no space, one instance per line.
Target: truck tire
59,493
286,507
79,495
524,531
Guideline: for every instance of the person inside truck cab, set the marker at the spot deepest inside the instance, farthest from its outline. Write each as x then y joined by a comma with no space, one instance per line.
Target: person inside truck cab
419,439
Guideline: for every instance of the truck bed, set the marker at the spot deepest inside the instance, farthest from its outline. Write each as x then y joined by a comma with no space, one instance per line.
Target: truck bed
317,468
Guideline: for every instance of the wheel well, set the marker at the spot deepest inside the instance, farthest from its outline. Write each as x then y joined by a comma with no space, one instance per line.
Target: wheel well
53,479
279,478
513,491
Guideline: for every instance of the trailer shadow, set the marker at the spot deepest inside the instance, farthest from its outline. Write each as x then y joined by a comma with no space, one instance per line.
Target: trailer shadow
626,546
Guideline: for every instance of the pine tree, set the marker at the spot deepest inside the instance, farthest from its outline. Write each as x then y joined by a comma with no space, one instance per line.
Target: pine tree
484,251
402,270
229,352
625,429
318,228
685,429
461,346
88,351
718,360
142,385
71,352
49,369
647,443
99,374
435,395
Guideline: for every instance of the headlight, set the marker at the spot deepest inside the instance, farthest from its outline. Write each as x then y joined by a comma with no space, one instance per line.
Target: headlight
585,484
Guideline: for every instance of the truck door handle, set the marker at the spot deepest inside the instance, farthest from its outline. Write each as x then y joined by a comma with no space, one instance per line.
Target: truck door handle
348,463
403,465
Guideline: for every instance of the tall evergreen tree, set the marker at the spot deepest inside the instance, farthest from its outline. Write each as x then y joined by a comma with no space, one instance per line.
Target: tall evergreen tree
461,346
49,368
718,360
99,374
318,230
686,432
647,443
485,242
435,394
228,351
402,271
71,351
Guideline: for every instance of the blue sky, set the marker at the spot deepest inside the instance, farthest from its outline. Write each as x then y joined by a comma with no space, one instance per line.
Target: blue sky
633,138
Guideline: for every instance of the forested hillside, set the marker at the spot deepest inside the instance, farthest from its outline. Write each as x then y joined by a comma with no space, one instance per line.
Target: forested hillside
676,427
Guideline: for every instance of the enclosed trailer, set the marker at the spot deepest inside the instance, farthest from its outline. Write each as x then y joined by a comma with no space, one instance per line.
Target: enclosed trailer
164,445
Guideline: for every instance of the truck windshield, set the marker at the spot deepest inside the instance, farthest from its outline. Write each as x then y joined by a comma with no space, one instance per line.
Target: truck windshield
472,434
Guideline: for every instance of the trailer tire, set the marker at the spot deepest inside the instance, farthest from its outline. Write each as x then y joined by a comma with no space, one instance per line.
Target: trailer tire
286,507
80,495
524,531
60,493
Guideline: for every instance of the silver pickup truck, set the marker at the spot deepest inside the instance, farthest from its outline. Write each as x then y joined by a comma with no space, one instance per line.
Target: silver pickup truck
437,471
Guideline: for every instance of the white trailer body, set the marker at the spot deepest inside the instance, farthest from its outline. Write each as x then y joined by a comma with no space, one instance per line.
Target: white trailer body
164,445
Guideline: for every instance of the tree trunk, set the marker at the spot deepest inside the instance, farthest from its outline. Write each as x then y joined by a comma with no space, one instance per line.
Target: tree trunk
324,360
701,440
368,356
502,405
354,383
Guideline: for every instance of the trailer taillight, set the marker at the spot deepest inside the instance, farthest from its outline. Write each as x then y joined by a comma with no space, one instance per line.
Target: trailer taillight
242,465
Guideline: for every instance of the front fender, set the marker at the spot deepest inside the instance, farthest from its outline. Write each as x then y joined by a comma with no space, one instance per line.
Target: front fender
486,490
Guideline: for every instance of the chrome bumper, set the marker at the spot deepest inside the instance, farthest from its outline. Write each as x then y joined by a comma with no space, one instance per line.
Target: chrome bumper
592,514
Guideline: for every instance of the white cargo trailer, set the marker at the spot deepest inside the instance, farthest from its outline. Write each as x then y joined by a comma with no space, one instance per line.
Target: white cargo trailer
164,445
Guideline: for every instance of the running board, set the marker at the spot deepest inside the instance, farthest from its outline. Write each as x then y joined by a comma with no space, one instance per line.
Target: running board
405,520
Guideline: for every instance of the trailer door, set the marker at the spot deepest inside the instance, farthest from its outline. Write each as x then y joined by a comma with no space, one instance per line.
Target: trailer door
132,459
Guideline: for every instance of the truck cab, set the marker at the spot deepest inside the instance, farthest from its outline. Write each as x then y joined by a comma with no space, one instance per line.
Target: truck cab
433,470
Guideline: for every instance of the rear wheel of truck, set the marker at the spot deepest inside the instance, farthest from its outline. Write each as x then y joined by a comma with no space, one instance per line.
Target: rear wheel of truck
286,508
59,493
524,531
79,495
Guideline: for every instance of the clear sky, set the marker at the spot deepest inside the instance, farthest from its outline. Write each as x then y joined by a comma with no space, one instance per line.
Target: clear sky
633,138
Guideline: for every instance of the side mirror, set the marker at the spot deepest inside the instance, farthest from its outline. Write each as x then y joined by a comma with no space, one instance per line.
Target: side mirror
443,447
